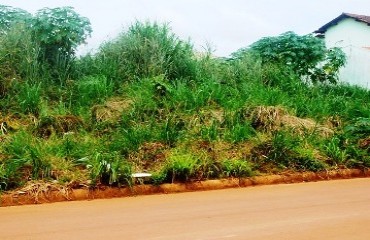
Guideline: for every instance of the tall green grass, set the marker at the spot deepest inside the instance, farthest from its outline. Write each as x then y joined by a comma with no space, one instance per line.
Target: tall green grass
145,50
91,90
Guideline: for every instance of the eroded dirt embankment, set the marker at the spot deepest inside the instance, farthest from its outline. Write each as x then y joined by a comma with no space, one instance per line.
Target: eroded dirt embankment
65,194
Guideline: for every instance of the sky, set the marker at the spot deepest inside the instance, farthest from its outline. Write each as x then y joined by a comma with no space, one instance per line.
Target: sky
225,25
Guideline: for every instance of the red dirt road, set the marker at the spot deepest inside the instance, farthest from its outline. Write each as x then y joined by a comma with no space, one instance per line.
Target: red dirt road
322,210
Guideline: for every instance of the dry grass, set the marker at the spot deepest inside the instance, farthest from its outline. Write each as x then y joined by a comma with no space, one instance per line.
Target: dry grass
111,111
40,191
58,125
274,118
150,155
14,122
205,117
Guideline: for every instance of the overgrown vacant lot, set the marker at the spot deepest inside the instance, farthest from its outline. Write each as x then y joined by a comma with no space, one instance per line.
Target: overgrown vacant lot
148,102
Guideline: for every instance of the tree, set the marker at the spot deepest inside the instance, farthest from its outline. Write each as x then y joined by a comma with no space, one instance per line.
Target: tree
39,45
328,70
59,31
305,55
10,16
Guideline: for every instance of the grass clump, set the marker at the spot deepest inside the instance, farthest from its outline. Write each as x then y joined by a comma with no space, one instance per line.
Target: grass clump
286,151
147,50
92,90
24,159
236,168
108,169
181,166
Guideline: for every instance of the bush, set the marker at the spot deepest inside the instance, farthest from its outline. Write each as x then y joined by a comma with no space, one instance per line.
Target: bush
108,168
285,151
181,166
59,31
305,55
147,50
236,128
43,44
3,178
29,98
26,151
18,58
129,138
12,173
92,90
236,168
171,130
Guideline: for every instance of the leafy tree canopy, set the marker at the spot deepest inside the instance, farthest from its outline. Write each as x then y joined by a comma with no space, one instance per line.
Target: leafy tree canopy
301,53
10,15
61,27
305,55
56,33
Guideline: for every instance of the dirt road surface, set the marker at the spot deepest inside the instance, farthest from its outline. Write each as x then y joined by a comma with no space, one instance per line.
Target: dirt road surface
320,210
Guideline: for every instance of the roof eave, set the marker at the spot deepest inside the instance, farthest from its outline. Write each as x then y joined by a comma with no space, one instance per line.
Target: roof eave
333,22
358,18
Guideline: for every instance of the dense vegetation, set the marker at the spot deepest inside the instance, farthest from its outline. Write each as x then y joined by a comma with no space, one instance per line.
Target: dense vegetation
147,101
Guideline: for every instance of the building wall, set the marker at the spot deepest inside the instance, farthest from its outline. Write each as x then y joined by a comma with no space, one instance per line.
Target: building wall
354,39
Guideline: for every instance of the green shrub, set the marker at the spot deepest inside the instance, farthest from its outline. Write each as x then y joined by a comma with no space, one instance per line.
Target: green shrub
147,50
239,132
181,166
41,167
146,103
29,98
158,177
3,178
351,147
24,150
92,90
236,168
129,138
193,96
170,130
12,173
306,161
108,168
72,146
359,128
41,45
285,151
59,31
236,128
10,16
244,66
182,96
16,145
210,132
300,54
334,150
18,58
184,167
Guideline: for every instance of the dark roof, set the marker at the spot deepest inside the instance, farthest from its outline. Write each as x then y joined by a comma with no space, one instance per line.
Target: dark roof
359,18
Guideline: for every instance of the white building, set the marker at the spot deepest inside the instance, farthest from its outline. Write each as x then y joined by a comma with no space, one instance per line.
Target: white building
351,32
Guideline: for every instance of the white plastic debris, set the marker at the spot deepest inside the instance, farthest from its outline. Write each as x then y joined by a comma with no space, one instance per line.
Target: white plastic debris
141,175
